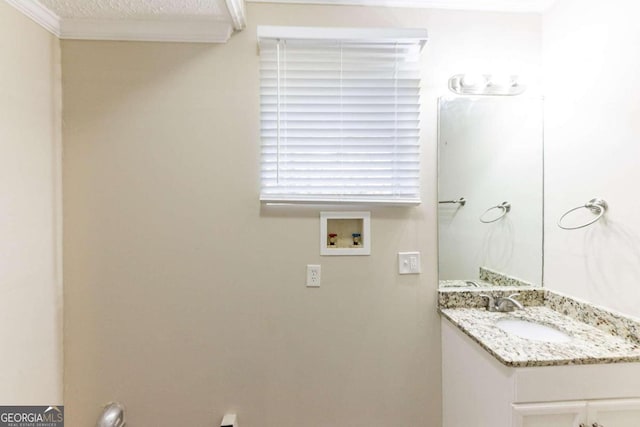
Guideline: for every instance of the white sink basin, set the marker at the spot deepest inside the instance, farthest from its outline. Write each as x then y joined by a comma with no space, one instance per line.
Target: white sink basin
532,330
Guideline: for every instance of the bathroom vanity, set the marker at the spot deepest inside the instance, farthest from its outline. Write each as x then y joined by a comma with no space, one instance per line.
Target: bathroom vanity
494,378
554,361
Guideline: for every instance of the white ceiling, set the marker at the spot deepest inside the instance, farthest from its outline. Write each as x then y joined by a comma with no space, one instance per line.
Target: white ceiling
535,6
143,20
199,20
136,9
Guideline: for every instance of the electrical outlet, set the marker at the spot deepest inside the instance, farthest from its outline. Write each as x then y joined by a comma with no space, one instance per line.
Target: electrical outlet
409,262
313,276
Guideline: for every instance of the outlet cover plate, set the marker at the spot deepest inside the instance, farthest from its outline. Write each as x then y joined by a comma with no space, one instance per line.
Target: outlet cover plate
313,275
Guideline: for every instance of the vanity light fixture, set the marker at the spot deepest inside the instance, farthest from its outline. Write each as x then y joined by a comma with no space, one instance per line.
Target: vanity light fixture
486,84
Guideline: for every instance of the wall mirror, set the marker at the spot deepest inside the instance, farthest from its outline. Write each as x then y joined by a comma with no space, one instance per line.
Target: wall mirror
490,191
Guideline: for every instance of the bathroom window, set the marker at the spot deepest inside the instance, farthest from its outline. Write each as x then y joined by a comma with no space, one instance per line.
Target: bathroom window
340,115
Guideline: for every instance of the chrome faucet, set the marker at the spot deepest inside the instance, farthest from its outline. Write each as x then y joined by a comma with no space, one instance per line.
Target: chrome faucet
503,304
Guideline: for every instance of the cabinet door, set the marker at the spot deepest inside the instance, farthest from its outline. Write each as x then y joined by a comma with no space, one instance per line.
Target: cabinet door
614,413
565,414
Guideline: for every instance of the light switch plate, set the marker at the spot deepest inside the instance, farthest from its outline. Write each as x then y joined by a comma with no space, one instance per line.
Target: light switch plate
409,263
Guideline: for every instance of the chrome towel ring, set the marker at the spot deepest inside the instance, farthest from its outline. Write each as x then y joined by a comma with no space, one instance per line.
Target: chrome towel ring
597,206
504,206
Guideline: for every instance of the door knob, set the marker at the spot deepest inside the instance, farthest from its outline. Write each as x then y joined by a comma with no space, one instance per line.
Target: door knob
597,425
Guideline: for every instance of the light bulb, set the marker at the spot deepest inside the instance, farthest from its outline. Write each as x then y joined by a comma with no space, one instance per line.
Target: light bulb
473,81
502,81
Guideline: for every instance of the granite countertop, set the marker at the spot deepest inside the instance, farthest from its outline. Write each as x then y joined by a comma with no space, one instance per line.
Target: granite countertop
464,284
486,278
597,335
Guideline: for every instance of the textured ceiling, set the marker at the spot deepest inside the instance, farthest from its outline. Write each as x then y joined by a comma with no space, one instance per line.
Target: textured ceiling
491,5
136,9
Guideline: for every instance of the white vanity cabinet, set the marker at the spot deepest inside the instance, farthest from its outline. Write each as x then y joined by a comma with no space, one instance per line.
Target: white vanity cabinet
480,391
564,414
614,413
599,413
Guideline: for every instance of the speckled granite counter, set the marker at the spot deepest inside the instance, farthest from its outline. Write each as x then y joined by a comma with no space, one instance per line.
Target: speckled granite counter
598,335
470,298
464,284
486,278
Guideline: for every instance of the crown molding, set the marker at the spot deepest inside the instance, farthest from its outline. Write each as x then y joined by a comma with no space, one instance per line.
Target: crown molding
238,13
188,30
38,13
535,6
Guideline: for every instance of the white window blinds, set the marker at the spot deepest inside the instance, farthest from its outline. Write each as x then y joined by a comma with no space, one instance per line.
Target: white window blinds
340,118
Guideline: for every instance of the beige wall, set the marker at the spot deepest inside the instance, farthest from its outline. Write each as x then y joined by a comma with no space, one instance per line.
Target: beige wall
31,299
592,149
185,298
